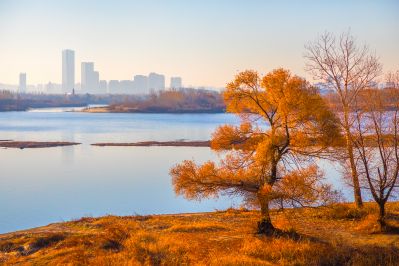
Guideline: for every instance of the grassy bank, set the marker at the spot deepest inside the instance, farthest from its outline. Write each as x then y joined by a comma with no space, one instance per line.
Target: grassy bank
337,235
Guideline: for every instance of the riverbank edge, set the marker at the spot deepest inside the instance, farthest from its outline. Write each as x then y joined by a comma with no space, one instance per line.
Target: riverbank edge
107,109
205,143
35,144
206,235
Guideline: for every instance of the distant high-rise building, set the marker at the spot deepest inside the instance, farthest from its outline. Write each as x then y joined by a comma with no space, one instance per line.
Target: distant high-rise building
86,70
90,79
140,84
68,70
103,86
95,81
113,86
126,86
156,82
22,82
175,83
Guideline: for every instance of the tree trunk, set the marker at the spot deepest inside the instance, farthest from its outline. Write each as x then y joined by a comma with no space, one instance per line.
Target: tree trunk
381,217
265,225
355,178
349,146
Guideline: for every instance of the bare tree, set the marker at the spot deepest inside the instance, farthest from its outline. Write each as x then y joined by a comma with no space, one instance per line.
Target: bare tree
376,142
347,69
392,79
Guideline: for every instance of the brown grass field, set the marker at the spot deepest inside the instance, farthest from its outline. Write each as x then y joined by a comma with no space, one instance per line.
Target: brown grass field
335,235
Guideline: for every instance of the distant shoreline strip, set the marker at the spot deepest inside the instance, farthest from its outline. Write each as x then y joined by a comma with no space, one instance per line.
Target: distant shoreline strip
35,144
206,143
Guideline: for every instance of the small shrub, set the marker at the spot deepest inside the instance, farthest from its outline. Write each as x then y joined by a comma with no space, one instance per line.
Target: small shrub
197,227
7,246
237,259
141,218
375,255
151,249
115,234
369,224
344,212
112,245
86,241
46,241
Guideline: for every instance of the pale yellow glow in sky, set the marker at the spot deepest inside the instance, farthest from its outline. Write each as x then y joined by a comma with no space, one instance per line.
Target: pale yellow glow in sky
204,42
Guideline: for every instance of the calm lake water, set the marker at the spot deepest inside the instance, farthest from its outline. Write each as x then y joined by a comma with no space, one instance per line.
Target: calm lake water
42,186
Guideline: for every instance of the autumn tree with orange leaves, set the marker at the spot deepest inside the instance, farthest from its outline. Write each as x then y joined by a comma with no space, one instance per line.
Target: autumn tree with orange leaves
284,123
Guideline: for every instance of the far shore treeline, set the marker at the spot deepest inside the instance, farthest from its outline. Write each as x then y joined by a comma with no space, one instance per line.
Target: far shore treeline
184,100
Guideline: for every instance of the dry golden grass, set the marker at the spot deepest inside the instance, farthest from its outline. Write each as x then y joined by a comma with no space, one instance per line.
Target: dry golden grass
338,235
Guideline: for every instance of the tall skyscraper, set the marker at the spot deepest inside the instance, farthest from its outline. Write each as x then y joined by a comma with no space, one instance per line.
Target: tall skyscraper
156,82
175,83
22,82
68,70
87,68
95,82
90,80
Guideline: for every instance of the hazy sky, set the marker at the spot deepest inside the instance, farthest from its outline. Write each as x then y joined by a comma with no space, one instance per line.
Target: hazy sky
204,41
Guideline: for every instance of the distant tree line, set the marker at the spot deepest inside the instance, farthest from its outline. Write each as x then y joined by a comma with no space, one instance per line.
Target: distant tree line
170,101
173,101
10,101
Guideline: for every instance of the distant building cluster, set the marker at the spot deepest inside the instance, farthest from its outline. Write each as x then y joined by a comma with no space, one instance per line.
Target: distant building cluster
90,79
175,82
91,83
139,84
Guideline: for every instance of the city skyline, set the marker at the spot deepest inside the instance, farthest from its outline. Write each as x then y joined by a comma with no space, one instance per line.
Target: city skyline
205,42
90,79
91,83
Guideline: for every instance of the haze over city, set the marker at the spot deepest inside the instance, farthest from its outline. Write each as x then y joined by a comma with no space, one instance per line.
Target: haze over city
204,42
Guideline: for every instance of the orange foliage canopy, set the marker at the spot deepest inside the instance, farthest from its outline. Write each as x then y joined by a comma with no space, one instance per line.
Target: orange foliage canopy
284,121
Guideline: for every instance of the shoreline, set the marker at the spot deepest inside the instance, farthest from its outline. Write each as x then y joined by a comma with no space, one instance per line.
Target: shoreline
311,238
107,109
35,144
7,143
206,143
